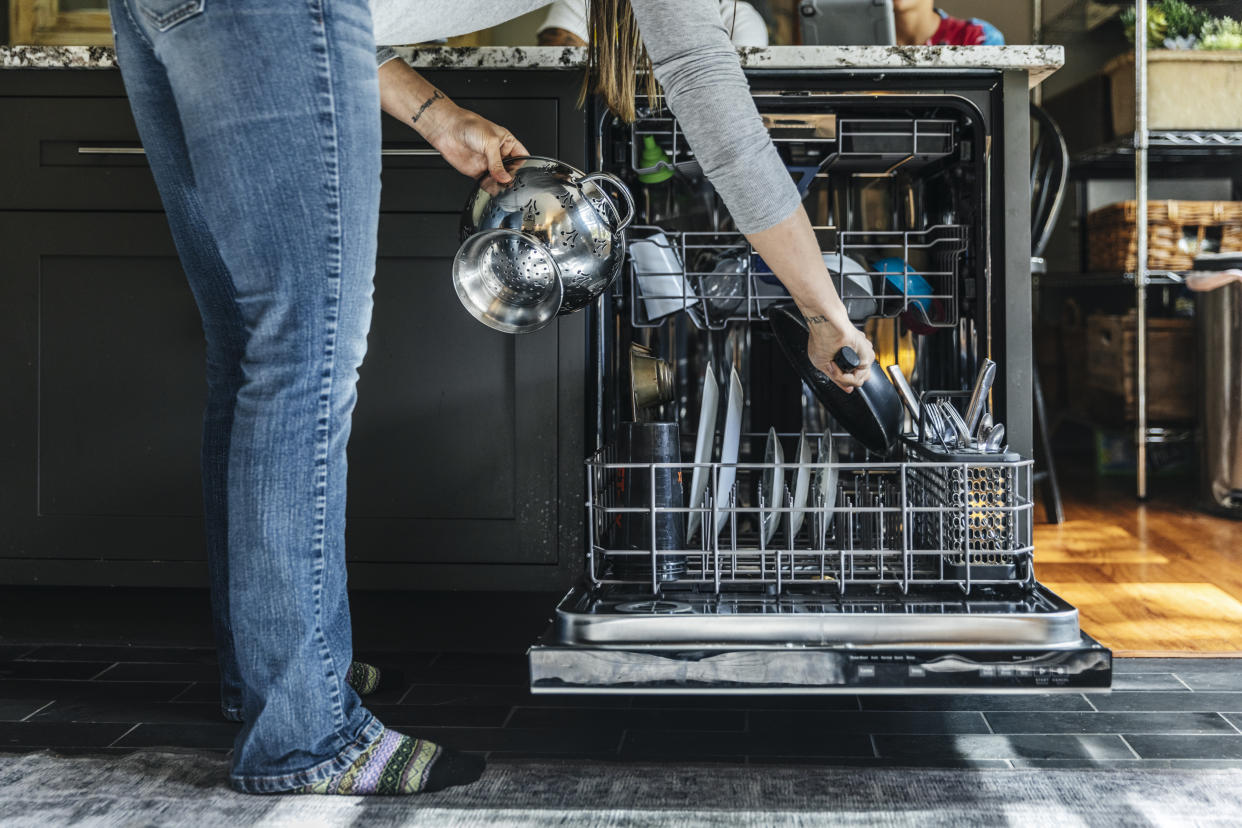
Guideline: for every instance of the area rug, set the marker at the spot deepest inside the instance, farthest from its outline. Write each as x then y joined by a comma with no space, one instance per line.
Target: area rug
151,788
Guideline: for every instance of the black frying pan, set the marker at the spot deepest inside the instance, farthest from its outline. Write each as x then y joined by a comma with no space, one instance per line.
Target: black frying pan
871,414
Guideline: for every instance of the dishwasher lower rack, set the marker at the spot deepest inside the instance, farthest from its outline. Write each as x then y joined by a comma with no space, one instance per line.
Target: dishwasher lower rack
924,519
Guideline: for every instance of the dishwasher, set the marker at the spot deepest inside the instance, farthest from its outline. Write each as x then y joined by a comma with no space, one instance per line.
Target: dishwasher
739,540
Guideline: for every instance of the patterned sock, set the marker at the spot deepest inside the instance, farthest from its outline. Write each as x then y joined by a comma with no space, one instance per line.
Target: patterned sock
362,677
395,764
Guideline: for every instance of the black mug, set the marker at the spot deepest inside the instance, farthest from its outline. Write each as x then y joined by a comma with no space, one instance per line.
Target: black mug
639,488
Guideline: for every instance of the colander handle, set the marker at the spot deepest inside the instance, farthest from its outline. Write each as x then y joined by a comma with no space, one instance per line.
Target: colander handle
619,186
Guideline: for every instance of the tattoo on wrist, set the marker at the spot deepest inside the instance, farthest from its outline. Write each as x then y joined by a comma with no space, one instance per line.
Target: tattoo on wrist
817,320
435,97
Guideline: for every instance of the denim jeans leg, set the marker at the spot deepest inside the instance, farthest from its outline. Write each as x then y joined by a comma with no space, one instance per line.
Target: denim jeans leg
278,107
155,111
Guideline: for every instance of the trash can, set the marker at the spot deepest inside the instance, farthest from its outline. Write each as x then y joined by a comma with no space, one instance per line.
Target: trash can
1217,282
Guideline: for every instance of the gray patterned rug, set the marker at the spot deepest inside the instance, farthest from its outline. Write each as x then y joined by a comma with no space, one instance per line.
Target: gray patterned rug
151,788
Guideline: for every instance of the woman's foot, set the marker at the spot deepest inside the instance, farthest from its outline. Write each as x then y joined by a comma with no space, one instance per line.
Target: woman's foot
397,764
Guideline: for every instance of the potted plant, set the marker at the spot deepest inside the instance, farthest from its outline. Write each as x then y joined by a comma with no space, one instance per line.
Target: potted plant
1194,71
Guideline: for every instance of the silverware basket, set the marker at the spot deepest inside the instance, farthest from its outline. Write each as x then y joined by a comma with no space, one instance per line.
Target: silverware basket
923,519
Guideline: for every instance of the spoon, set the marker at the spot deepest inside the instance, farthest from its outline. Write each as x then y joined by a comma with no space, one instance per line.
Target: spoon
995,437
985,425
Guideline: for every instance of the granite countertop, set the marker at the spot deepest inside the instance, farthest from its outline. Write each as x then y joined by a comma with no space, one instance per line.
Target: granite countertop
1038,61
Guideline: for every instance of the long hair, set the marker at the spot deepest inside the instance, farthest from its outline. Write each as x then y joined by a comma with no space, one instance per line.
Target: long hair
616,57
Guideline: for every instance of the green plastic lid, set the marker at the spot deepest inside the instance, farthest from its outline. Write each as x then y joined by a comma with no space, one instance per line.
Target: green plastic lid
653,155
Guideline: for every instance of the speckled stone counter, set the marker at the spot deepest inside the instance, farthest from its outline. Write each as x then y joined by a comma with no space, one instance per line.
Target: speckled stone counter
1038,61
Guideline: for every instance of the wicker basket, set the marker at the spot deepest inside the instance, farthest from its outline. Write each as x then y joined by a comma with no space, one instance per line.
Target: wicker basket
1176,232
1111,392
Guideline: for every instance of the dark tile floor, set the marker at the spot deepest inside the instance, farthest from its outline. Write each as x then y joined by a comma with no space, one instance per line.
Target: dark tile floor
1162,713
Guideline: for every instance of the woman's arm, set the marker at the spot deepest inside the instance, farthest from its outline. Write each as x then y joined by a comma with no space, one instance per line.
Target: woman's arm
709,94
791,250
468,141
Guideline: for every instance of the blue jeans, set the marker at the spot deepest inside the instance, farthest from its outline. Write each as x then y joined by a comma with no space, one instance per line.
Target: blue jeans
261,123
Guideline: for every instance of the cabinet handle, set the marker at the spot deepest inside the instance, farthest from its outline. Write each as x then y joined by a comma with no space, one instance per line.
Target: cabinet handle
141,151
111,151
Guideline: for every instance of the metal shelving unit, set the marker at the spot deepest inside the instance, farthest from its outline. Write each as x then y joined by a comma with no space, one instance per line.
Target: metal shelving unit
1140,229
1186,151
1174,146
1155,278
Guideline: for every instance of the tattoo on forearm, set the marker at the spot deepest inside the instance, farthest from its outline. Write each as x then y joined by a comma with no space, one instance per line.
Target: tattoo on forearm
816,320
437,96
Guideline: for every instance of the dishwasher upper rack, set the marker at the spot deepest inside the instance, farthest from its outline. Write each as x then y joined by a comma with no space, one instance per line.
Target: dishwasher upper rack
745,289
919,521
813,143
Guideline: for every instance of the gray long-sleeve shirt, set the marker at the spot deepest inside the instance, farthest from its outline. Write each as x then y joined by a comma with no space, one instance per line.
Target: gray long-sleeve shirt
694,62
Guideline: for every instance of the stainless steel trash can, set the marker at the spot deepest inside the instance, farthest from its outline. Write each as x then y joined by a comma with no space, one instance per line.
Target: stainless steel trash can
1219,335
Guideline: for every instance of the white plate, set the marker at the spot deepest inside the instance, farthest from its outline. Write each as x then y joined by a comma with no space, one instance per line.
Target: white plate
826,484
703,449
773,485
801,486
728,450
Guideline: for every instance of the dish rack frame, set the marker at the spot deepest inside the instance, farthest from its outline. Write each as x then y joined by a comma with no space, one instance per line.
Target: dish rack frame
714,299
885,143
921,519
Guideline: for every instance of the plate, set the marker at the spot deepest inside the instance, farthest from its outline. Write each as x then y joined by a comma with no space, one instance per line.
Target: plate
801,486
773,493
728,450
703,449
826,484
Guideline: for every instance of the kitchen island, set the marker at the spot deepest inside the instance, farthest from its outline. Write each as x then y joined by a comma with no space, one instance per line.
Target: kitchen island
468,446
1037,62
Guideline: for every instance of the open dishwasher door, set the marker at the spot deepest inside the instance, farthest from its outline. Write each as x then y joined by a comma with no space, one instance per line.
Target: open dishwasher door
606,641
911,574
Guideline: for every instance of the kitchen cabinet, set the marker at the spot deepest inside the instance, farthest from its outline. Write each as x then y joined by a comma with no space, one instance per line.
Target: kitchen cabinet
467,447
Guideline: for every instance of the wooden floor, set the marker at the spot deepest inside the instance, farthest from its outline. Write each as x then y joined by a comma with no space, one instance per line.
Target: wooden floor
1156,579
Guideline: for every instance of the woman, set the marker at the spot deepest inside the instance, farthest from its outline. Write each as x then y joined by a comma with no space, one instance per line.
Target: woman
261,125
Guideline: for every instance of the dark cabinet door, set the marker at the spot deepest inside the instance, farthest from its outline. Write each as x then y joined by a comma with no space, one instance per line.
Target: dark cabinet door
65,151
458,458
467,447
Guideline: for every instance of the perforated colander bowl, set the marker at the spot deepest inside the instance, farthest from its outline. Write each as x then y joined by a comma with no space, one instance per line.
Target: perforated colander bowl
508,281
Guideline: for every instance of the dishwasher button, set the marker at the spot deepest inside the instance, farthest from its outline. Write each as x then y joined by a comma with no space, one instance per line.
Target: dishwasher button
916,671
866,671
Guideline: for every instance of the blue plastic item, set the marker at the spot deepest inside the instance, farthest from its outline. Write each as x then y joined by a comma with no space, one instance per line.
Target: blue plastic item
906,282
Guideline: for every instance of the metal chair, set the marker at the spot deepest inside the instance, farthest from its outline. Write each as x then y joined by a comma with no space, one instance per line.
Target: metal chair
1049,172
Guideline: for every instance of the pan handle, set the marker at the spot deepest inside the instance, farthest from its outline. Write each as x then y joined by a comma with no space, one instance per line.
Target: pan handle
847,359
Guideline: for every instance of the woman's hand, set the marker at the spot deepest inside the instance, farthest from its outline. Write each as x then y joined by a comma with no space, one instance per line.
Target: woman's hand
473,144
828,337
465,139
